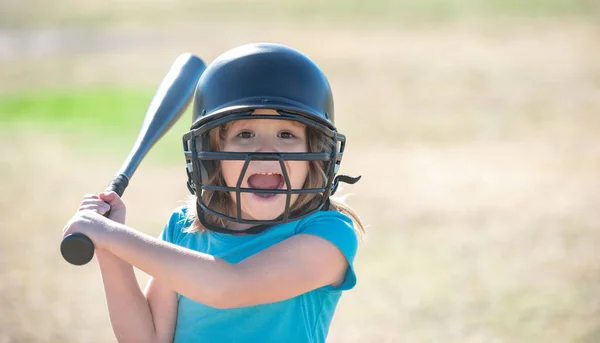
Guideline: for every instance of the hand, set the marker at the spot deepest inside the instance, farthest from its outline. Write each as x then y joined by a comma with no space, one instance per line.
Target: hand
92,224
89,218
104,202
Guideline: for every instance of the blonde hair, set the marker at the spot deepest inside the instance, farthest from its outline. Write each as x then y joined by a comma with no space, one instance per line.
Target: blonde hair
221,201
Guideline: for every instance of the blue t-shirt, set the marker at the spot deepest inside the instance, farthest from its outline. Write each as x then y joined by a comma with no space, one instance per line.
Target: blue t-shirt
304,318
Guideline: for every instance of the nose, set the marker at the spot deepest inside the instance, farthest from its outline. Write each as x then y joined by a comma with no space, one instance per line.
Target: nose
266,143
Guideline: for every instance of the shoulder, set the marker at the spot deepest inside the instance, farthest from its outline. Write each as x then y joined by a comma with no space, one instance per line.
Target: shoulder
326,220
177,223
338,229
333,226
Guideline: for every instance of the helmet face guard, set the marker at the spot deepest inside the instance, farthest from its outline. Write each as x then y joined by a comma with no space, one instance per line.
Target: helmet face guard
202,164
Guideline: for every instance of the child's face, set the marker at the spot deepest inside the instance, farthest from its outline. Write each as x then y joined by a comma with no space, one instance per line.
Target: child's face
265,135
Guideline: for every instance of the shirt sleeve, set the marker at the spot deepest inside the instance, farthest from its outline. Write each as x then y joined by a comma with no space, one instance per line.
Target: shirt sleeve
338,229
173,230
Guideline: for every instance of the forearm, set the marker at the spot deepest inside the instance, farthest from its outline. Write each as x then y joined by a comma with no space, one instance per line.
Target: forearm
128,308
198,276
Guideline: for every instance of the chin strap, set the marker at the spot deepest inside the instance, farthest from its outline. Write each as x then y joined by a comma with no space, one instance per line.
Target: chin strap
343,178
336,182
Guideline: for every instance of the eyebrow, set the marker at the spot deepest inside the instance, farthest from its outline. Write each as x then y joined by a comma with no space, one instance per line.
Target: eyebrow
242,123
297,123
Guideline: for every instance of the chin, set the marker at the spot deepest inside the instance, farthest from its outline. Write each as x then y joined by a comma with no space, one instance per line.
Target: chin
265,208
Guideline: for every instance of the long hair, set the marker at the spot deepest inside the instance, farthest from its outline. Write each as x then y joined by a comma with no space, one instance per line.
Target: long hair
221,201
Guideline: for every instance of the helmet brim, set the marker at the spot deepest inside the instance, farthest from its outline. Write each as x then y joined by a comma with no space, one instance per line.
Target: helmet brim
280,104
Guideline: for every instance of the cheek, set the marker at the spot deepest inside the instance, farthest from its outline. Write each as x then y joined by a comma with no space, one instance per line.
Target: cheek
299,171
231,171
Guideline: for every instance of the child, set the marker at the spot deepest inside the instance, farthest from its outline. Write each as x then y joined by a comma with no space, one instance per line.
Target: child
261,253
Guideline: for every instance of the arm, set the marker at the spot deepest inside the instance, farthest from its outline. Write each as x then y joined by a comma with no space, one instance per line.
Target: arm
135,316
128,308
287,269
163,306
295,266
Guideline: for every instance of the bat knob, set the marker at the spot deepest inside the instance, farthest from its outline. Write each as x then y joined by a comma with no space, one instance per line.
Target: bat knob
77,249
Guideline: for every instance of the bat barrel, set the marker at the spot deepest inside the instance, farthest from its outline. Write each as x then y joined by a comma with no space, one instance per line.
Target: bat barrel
168,104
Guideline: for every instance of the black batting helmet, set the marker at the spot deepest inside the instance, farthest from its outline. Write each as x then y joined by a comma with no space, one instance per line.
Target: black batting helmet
257,76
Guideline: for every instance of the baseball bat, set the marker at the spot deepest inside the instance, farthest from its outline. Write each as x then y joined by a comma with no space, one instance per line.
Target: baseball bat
173,96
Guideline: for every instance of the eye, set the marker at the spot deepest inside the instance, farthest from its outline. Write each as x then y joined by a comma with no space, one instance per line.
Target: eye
285,135
246,134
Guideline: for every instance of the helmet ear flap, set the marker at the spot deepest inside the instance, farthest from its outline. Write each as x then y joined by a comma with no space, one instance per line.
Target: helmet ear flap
207,167
189,162
199,171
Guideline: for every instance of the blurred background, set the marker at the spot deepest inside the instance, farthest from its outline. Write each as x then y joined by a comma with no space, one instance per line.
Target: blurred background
475,125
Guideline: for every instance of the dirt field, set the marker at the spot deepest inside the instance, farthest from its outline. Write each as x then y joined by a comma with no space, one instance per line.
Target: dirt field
477,141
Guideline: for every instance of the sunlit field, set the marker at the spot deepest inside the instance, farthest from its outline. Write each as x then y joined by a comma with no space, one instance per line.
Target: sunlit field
475,126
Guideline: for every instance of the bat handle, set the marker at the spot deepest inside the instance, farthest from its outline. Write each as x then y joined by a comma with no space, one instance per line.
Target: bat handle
77,248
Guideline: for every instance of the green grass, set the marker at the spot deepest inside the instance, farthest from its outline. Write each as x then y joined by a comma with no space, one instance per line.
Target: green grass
98,120
103,109
69,12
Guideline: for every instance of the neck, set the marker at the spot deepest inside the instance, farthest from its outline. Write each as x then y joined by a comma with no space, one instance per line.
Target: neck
238,226
231,225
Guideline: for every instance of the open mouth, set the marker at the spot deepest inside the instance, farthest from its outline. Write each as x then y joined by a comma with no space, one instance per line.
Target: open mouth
266,180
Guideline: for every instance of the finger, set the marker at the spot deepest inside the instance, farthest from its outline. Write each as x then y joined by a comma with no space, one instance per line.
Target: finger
90,196
112,199
93,205
101,208
93,201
